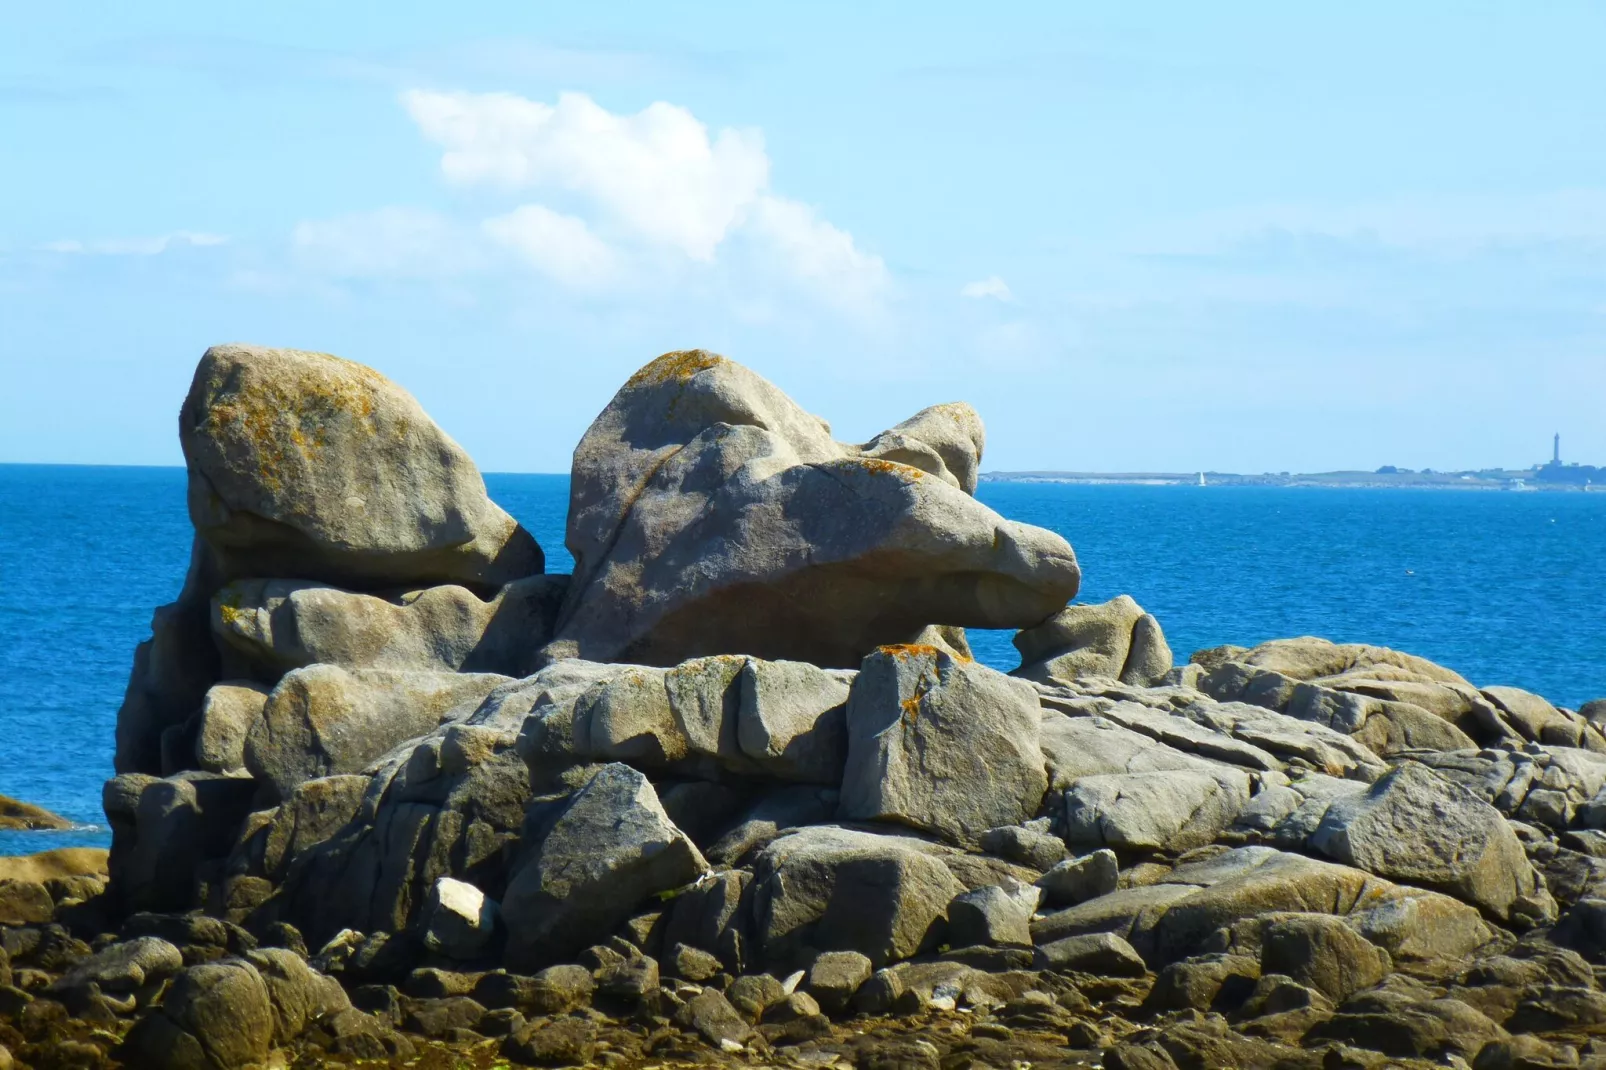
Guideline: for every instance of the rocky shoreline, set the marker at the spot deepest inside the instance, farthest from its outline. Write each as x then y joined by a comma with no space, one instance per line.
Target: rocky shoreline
735,793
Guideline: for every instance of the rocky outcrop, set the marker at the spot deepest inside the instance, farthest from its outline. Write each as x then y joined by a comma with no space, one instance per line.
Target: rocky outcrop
306,467
1393,702
710,515
370,799
324,720
16,815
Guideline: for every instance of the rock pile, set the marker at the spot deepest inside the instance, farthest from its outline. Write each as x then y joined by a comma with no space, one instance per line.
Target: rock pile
736,791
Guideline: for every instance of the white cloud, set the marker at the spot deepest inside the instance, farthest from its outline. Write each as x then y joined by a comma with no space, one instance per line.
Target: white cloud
817,253
991,286
393,242
559,246
134,246
645,204
656,175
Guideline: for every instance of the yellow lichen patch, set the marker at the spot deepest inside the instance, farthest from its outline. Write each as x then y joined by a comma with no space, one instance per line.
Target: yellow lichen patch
228,605
889,468
911,705
676,367
908,650
290,419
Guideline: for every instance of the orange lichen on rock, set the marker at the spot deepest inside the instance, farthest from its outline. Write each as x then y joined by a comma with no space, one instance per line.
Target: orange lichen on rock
278,419
676,367
889,468
908,650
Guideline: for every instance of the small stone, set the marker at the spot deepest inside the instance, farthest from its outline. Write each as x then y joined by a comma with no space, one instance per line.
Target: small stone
797,1005
693,964
877,996
835,976
715,1020
502,1022
462,920
994,916
631,982
1076,880
1102,954
566,1042
751,993
1029,847
432,983
437,1017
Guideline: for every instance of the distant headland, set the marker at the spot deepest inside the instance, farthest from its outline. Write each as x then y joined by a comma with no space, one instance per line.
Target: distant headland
1551,475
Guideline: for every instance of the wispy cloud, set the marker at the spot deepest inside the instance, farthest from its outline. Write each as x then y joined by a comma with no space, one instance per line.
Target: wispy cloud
152,246
990,287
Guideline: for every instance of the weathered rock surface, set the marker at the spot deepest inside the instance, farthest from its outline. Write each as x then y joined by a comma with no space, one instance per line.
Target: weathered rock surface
1178,810
837,889
324,720
269,627
227,713
710,515
946,746
306,465
1115,639
610,848
1417,826
21,815
216,1016
994,915
461,919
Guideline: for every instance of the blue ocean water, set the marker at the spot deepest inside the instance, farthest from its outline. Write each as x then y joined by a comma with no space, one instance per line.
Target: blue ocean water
1504,588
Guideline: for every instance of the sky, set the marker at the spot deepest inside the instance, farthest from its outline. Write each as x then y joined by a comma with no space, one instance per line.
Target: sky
1136,237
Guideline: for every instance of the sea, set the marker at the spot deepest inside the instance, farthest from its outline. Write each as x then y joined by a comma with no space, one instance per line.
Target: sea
1505,588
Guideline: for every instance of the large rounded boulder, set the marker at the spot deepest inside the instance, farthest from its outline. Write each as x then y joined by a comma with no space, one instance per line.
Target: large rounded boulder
709,514
306,465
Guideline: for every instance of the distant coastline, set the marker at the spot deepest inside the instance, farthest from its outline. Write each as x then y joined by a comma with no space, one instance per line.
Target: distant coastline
1487,479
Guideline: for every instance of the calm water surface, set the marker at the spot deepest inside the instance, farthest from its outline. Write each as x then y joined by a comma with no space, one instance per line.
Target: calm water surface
1504,588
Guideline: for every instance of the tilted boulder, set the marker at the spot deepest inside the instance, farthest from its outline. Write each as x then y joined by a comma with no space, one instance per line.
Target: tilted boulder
306,465
1415,825
946,746
610,847
324,720
709,514
269,627
1116,639
834,889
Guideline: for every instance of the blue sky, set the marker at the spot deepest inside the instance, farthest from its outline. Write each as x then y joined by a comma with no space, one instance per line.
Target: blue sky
1164,236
